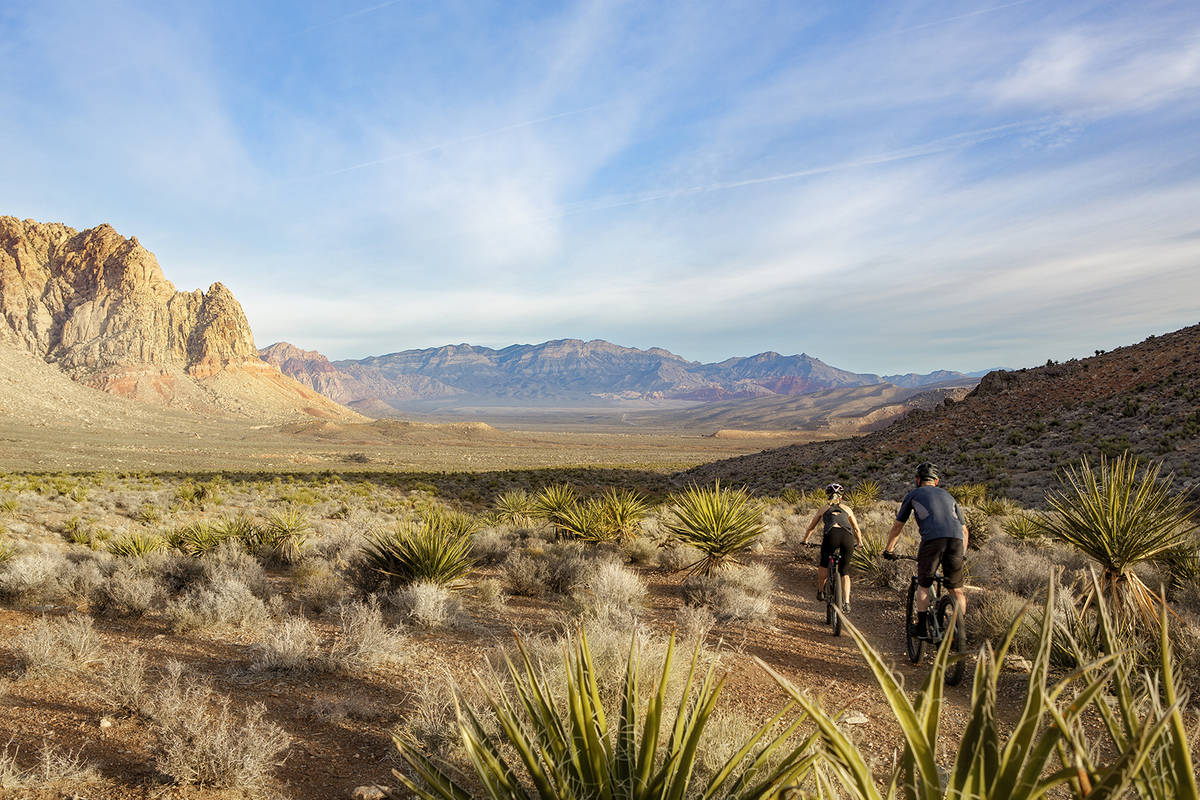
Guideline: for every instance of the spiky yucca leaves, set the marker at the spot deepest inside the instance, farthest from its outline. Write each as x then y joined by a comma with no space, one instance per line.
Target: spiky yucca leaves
1119,519
283,535
623,510
514,508
1047,748
969,494
196,539
718,522
586,521
867,558
452,521
238,527
551,501
1022,526
863,495
136,545
7,551
568,749
436,549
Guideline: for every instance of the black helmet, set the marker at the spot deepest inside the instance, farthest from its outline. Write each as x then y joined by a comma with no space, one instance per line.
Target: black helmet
833,488
927,472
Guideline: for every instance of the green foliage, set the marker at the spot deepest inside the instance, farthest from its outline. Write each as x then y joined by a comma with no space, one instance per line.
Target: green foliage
867,559
622,510
566,747
1045,749
190,493
863,495
196,539
719,522
515,507
1119,518
136,545
9,505
7,551
435,550
969,494
977,524
552,501
790,496
1023,527
283,536
238,527
584,521
149,513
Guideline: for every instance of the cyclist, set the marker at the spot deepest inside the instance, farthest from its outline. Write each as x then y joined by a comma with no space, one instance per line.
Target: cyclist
944,538
841,533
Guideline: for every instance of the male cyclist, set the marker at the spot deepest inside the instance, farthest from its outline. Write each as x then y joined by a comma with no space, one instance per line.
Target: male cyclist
944,538
841,533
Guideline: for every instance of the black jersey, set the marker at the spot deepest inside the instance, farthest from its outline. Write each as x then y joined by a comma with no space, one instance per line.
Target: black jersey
836,517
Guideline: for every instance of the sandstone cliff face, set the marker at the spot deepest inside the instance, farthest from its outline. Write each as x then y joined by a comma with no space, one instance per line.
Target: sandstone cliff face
97,306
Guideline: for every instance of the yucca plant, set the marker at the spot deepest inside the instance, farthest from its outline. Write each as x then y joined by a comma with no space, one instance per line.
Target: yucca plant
136,545
623,510
238,527
1119,518
969,494
719,522
514,508
551,501
585,521
414,552
196,538
863,495
566,746
867,558
1022,526
1046,748
452,521
283,535
7,551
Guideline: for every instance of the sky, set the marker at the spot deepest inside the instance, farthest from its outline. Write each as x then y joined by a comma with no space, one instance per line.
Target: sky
891,187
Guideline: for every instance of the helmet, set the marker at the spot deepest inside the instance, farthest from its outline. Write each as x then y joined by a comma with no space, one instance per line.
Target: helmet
833,488
927,472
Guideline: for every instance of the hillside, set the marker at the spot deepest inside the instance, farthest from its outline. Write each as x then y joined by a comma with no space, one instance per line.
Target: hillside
97,307
565,372
1016,428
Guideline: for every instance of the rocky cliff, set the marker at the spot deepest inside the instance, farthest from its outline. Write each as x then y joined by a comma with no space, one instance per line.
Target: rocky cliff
97,306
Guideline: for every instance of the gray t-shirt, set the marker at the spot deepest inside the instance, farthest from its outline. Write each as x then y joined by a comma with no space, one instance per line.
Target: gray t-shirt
938,513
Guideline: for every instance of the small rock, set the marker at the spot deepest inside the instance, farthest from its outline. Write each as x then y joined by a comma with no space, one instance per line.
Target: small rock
856,719
106,722
368,793
1017,663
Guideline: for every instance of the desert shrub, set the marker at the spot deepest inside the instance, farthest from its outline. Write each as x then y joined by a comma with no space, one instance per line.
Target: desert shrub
998,507
995,613
31,577
526,574
202,495
238,528
282,537
718,522
490,592
197,538
135,545
364,641
317,586
128,590
428,605
969,494
678,556
867,560
225,602
124,685
642,551
1022,526
790,495
1019,570
734,595
201,739
585,521
149,513
428,551
53,768
491,546
290,646
7,551
9,505
431,717
694,622
610,591
58,645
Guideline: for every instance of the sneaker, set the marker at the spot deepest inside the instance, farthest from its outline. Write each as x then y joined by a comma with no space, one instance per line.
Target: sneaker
846,607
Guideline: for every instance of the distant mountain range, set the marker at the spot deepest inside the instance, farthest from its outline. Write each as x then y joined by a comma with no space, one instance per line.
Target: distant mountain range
568,372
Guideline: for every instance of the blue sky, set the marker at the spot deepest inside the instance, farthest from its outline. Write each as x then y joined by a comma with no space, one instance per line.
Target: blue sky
891,187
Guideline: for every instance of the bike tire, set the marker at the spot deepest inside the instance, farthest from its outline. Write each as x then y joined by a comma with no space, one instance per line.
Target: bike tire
958,645
912,644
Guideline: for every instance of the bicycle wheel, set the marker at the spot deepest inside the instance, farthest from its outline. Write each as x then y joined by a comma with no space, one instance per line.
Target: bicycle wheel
836,604
828,591
958,645
912,644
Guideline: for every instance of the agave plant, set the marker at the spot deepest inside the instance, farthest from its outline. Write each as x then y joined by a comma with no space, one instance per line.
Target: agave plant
7,551
414,552
136,545
514,508
623,510
1119,518
237,527
719,522
566,746
1045,749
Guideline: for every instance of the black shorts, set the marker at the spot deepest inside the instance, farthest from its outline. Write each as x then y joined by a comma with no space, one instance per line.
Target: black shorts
837,539
948,553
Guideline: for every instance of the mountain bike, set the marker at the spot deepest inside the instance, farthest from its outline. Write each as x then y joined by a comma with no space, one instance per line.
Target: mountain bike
941,603
835,600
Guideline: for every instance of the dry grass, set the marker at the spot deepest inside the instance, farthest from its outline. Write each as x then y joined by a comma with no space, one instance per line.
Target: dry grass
58,645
